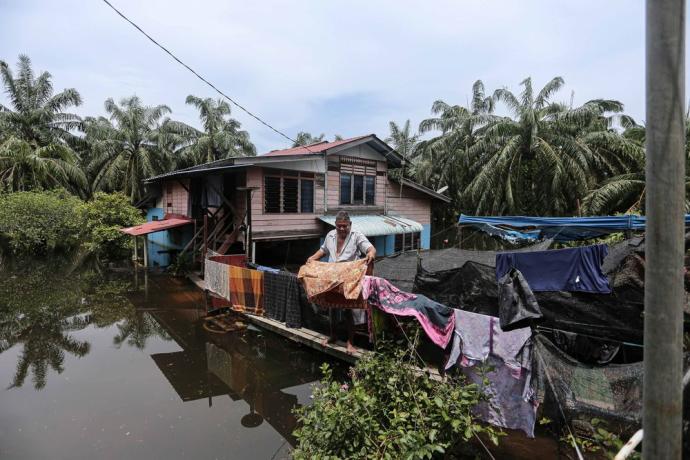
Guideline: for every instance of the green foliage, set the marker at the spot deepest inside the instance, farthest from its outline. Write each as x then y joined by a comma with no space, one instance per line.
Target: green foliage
390,409
102,218
603,441
38,223
220,138
542,159
43,223
36,139
181,265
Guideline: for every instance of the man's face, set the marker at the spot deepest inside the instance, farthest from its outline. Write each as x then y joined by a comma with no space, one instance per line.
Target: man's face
342,227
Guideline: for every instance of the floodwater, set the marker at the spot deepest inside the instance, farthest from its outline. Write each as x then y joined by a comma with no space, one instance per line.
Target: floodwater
118,366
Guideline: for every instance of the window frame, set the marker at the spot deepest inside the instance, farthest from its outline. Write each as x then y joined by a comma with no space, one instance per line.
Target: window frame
287,174
357,167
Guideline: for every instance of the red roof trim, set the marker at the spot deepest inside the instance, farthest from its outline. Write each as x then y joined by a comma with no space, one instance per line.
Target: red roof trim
312,149
156,226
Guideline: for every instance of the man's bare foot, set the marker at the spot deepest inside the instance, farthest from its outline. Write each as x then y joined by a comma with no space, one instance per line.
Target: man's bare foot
327,341
351,350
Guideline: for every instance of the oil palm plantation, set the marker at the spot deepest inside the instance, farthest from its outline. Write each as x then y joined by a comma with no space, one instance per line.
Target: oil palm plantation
402,139
135,142
626,192
220,138
304,138
544,158
36,139
443,160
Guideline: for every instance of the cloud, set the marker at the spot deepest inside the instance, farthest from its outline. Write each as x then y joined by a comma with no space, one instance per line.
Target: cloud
333,67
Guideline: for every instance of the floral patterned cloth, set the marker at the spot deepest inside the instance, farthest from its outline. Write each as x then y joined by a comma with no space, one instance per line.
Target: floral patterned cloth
334,285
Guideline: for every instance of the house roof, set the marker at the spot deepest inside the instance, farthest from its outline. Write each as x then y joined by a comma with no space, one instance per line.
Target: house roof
294,153
377,225
316,147
423,189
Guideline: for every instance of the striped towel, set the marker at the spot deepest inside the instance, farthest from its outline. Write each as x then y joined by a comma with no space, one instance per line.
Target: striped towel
246,290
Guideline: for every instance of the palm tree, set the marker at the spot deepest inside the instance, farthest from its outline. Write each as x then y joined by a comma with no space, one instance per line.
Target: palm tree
23,167
36,140
626,192
134,143
221,136
546,158
443,159
304,138
403,141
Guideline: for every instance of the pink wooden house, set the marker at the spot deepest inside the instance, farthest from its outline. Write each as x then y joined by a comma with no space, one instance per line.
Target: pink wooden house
277,207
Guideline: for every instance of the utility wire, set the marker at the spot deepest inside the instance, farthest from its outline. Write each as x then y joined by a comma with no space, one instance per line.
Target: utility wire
238,105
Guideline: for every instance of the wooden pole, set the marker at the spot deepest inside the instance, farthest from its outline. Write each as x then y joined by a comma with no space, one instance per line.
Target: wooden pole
665,174
146,251
136,252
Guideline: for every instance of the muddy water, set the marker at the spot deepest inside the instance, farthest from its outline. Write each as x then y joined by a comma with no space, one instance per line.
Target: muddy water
95,366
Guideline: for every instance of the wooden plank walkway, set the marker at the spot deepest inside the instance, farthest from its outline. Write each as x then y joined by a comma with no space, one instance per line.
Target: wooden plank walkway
306,336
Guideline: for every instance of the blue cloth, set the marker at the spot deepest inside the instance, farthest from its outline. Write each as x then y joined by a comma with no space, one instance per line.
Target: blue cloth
573,269
559,228
263,268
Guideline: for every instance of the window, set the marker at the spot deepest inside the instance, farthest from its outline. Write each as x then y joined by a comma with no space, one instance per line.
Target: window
357,181
358,190
407,241
288,192
345,188
307,195
369,189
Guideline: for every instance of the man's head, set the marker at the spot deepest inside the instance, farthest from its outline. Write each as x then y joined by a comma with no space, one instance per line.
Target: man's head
342,223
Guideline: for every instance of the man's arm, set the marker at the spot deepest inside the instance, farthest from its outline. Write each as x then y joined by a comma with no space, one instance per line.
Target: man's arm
371,254
317,255
365,247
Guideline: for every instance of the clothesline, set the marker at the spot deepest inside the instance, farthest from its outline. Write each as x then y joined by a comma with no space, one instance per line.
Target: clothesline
553,329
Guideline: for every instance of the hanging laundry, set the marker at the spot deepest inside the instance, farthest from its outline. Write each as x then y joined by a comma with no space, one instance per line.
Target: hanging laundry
216,276
486,352
437,320
246,290
281,298
517,306
334,285
572,269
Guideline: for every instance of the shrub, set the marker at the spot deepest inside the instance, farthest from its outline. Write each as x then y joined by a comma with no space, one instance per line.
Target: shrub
389,410
103,217
37,223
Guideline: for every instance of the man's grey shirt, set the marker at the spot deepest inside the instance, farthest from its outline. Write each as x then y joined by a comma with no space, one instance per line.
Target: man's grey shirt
355,243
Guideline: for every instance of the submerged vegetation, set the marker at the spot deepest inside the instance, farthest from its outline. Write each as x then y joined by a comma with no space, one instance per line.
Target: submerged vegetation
41,223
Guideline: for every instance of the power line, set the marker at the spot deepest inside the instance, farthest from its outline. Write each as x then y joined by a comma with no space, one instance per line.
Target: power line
238,105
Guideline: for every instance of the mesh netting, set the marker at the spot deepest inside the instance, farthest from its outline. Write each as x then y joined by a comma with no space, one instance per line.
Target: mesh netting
471,285
582,391
399,269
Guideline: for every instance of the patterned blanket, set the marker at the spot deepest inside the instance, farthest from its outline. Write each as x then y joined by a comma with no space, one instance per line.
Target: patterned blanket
334,285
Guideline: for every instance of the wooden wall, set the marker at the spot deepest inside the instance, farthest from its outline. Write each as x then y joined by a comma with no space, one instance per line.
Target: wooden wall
413,204
175,195
274,222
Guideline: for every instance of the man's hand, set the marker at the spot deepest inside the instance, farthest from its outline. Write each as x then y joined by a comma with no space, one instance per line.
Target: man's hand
371,254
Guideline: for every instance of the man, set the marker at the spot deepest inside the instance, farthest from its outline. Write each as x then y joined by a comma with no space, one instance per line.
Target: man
344,245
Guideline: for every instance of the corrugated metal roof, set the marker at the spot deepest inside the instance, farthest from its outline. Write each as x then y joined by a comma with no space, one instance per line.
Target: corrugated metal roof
311,149
378,225
156,226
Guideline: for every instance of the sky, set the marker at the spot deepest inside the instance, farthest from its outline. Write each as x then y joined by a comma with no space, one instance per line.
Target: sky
329,66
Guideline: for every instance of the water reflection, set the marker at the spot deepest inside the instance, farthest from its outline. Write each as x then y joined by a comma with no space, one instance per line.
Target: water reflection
40,309
129,341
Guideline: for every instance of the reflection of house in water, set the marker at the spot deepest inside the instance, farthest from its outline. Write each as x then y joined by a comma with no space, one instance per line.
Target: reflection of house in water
271,374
